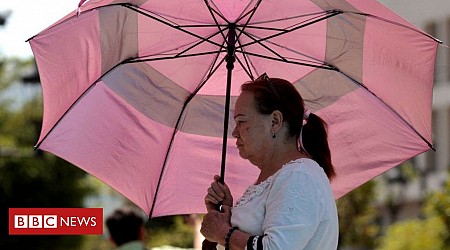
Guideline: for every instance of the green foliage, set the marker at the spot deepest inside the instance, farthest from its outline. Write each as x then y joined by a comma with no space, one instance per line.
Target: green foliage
414,235
438,205
357,218
431,232
170,230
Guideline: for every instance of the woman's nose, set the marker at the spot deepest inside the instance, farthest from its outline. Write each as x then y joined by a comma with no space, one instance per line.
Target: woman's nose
235,132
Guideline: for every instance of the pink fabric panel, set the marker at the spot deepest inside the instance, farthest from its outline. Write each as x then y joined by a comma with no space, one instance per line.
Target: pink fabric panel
182,11
193,163
358,120
155,40
159,40
67,72
307,43
189,73
232,9
112,141
378,9
86,6
390,69
217,83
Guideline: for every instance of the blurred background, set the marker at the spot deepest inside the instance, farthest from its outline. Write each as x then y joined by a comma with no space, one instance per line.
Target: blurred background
407,207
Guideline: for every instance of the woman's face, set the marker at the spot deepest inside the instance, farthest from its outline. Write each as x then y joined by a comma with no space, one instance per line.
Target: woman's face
252,129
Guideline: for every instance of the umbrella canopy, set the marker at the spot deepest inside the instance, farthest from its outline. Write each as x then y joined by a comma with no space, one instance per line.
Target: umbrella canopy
135,92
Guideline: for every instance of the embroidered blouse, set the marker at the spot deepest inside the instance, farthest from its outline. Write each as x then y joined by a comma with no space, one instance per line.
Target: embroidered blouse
292,209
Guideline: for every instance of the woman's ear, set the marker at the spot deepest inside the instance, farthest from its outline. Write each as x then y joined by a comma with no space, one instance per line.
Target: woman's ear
277,121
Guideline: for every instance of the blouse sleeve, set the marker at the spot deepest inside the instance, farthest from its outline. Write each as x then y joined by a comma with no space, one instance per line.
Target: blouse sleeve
293,210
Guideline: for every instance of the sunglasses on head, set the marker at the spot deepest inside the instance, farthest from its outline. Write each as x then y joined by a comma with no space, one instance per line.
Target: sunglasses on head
264,77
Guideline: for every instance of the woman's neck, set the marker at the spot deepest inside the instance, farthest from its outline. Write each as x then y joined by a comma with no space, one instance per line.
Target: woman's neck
276,161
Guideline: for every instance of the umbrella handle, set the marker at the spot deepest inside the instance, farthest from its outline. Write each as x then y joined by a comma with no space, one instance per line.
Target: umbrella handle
208,245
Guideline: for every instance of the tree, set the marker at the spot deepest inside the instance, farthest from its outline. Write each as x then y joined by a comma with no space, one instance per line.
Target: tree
431,232
358,227
438,206
414,234
171,230
31,178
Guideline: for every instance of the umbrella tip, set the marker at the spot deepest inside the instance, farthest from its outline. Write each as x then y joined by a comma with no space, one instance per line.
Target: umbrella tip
81,3
79,7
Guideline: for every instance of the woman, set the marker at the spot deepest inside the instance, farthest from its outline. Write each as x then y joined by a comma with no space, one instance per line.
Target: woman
291,204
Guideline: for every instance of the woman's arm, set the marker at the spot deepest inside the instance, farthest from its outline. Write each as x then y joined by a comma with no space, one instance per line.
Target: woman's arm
293,210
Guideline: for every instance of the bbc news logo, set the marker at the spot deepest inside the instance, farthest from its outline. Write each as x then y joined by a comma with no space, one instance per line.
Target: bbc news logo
55,221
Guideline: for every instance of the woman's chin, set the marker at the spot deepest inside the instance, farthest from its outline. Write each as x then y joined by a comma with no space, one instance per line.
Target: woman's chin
243,155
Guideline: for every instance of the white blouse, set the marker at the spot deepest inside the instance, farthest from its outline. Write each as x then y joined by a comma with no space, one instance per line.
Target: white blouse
292,209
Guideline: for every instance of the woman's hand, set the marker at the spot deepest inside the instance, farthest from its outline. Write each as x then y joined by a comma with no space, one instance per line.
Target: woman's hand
216,224
218,193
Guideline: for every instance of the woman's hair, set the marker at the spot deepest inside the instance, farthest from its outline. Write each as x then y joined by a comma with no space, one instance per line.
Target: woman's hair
278,94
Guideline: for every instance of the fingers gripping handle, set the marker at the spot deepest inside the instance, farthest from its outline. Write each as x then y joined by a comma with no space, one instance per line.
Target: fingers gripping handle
206,244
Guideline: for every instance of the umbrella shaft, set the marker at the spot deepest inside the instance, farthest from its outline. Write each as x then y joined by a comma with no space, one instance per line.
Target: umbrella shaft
230,58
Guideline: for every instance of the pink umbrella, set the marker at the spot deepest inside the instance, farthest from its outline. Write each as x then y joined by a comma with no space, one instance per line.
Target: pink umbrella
137,92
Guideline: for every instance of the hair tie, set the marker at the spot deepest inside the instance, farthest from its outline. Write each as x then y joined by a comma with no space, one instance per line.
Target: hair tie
306,114
300,138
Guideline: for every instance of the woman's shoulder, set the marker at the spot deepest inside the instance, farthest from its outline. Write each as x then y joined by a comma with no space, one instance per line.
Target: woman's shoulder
301,172
301,166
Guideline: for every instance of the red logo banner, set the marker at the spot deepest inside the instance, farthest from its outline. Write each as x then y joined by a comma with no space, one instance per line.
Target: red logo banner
55,221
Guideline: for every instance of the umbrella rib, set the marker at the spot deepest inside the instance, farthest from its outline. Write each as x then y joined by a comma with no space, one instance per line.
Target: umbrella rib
316,14
395,23
201,25
323,66
248,71
263,45
262,28
298,53
76,101
201,41
67,111
215,11
323,14
135,60
247,63
387,105
329,14
131,7
212,69
211,72
253,11
215,19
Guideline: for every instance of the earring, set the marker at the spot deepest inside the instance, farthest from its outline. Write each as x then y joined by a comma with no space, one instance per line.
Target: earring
274,135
